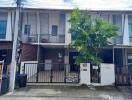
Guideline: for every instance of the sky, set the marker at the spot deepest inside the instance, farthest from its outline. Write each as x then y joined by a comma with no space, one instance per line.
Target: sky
70,4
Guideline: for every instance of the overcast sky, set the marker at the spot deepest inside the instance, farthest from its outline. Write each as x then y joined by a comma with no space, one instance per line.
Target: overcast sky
69,4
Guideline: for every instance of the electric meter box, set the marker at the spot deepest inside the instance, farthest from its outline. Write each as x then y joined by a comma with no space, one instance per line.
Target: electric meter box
85,73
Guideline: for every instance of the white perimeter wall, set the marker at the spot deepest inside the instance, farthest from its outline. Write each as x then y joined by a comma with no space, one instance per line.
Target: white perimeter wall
107,74
30,69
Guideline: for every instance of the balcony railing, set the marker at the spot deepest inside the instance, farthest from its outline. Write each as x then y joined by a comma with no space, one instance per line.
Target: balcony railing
46,38
118,40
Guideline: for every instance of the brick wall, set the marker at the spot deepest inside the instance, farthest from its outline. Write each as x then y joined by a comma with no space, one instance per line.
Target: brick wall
29,52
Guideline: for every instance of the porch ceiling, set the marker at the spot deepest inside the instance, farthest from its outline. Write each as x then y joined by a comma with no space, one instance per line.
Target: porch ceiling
118,46
123,46
5,45
53,46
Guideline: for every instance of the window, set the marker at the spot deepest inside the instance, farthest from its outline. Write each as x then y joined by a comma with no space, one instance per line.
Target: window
130,31
54,30
3,24
129,59
130,27
62,23
27,29
117,20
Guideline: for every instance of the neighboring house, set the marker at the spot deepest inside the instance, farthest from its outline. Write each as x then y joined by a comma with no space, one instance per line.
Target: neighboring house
6,33
46,31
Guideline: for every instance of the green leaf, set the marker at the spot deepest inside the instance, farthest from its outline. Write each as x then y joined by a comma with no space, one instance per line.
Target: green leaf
92,34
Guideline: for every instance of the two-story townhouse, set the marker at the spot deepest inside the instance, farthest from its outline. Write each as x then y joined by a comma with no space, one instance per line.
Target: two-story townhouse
6,34
120,50
46,38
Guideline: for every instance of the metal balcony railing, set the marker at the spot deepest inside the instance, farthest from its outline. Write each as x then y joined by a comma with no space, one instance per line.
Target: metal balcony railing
118,40
46,38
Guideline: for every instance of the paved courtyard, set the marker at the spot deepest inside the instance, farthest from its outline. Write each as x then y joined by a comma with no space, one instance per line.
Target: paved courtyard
49,92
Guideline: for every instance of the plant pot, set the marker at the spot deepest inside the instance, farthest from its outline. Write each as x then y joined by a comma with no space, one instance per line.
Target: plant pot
22,80
5,84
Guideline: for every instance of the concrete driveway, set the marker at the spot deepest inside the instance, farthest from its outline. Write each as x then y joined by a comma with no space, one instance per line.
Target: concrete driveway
47,92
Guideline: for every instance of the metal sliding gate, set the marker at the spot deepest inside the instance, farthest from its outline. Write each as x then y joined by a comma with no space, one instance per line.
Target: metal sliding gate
123,75
51,73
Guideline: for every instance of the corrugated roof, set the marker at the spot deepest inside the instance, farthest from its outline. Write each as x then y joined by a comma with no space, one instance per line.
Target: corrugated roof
70,4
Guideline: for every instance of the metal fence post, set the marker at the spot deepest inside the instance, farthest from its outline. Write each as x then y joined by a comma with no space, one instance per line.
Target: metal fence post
24,69
79,74
37,72
51,74
65,73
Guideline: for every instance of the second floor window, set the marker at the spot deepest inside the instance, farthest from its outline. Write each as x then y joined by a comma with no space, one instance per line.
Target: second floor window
27,29
130,31
130,27
117,20
3,24
54,30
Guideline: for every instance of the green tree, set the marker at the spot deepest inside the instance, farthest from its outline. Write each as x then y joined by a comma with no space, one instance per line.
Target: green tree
90,35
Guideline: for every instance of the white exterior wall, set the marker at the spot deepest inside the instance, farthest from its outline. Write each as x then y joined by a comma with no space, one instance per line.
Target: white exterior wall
53,20
41,23
8,30
30,68
49,18
107,74
85,73
44,23
31,19
126,32
67,27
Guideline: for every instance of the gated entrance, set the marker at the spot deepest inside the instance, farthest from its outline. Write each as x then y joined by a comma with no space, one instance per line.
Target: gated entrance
95,73
123,75
50,73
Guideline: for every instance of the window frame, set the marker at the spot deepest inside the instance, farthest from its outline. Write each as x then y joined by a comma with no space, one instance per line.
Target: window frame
3,28
54,30
27,29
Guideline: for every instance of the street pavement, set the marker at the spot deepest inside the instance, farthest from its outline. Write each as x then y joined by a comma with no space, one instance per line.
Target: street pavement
50,92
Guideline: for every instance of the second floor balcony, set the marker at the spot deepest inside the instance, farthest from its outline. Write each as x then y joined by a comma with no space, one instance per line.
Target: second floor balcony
46,38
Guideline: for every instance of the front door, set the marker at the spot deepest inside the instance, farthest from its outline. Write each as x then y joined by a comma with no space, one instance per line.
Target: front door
48,64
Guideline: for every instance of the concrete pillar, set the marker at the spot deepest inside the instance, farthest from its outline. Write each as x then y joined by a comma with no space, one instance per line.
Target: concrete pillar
110,18
66,60
12,23
38,23
110,21
13,62
38,32
113,55
126,32
8,29
67,27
